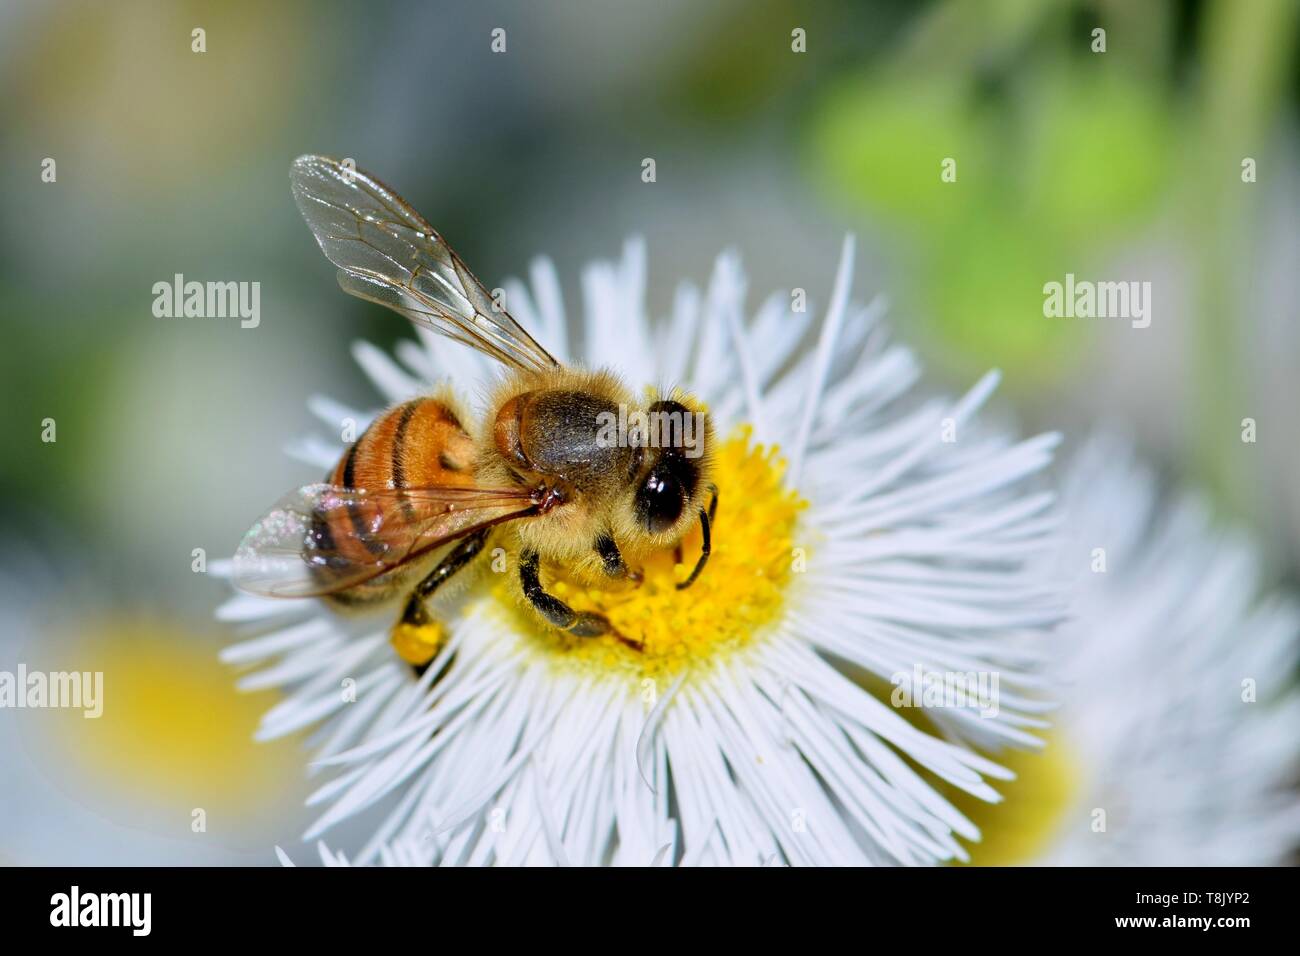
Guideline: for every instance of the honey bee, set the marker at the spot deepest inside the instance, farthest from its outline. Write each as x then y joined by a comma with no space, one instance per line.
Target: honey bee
415,499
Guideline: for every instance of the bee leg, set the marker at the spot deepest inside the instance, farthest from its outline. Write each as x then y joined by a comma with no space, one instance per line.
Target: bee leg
417,636
706,544
559,614
612,559
610,556
455,559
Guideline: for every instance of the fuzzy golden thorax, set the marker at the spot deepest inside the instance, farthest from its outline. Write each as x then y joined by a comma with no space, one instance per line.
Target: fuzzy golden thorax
581,437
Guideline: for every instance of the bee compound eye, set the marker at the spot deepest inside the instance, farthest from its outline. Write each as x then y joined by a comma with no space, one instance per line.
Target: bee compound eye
659,501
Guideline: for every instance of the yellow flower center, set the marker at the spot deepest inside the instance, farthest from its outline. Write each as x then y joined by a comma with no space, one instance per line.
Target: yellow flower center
740,592
172,726
1019,830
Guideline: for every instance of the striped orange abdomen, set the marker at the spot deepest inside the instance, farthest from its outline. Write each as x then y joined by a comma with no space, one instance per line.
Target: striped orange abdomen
418,444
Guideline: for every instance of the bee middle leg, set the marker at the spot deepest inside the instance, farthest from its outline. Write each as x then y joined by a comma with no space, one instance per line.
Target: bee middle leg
577,623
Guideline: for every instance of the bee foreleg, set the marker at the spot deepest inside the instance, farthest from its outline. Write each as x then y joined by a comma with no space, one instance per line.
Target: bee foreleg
706,545
559,614
610,556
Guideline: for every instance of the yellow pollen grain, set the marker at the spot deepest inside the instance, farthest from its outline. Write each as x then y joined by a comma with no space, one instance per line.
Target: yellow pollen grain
740,592
418,643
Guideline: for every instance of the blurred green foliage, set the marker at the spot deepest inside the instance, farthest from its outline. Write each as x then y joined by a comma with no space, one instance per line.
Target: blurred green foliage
1048,173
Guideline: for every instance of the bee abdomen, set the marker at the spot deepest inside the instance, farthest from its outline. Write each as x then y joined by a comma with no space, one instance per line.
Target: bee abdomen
417,444
429,446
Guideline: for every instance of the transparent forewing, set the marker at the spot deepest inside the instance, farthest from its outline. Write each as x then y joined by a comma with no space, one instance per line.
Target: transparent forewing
322,539
389,254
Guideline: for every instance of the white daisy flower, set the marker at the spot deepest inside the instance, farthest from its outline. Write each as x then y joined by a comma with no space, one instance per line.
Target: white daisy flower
854,536
136,751
1176,740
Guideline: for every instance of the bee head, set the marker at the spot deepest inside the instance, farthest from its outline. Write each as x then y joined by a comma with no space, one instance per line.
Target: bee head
672,460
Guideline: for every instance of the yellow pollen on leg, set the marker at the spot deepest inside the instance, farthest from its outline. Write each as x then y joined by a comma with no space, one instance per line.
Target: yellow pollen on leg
740,592
417,643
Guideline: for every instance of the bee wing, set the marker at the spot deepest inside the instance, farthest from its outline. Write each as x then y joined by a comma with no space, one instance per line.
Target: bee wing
387,253
322,539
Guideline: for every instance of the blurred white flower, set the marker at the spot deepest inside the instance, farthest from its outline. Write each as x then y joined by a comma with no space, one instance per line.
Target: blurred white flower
161,771
1178,739
898,536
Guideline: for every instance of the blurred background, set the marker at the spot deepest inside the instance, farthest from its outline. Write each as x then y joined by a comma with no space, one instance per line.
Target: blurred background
1121,165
